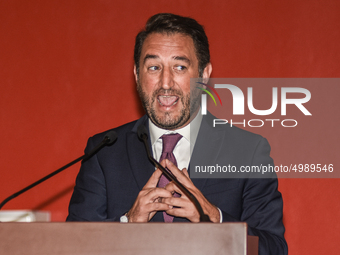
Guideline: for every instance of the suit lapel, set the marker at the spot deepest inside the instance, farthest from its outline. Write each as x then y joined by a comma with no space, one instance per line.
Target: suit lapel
140,165
207,147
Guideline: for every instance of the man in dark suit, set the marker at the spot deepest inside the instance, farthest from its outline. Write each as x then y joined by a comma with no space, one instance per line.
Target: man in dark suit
119,183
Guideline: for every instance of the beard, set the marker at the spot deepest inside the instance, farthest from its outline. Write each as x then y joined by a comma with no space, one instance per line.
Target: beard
169,120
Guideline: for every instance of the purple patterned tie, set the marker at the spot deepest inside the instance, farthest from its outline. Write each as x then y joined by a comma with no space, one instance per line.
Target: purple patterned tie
169,143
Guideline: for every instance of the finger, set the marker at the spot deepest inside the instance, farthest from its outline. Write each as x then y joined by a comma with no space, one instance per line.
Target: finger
191,215
185,172
177,202
176,172
181,208
172,187
157,206
163,163
153,194
154,179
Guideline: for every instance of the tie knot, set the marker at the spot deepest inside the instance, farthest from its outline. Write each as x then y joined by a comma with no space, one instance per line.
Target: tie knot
170,141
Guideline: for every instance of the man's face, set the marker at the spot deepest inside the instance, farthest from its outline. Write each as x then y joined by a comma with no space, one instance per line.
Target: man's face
167,63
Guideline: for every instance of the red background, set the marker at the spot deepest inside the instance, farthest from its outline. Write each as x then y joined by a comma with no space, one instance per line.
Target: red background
66,73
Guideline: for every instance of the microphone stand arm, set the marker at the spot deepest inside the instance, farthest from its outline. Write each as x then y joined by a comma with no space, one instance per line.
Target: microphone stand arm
85,157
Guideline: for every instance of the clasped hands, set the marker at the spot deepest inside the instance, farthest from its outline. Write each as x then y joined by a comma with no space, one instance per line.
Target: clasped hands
152,199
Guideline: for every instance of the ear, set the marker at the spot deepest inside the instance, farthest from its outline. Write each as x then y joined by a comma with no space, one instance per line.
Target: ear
207,71
135,73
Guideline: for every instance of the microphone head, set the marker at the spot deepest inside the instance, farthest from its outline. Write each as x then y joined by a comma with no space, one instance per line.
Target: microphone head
110,137
142,132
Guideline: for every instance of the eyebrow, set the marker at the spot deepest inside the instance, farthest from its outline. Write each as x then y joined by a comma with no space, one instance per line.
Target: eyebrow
149,56
180,58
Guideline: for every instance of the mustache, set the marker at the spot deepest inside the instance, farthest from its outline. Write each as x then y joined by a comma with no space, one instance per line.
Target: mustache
168,92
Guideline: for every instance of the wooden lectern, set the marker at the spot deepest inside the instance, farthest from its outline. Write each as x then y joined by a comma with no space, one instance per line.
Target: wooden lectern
78,238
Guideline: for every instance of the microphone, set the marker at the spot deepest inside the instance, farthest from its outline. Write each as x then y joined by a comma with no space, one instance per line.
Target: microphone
143,135
109,139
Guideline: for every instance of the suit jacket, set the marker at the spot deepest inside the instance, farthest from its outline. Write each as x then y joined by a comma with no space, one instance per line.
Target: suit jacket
109,182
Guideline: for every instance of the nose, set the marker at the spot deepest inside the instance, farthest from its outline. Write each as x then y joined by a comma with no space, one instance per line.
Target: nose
167,78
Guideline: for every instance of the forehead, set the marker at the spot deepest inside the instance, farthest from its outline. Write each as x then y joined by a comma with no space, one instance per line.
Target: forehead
168,45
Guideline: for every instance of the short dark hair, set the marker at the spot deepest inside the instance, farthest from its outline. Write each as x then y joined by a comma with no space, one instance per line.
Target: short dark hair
170,23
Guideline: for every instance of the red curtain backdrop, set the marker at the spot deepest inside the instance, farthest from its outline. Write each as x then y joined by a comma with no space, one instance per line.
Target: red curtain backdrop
66,73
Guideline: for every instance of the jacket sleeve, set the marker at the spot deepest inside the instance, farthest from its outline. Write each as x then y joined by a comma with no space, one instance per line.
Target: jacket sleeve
262,205
88,201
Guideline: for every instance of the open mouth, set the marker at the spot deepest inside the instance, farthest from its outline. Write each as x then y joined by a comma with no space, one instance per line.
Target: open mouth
167,100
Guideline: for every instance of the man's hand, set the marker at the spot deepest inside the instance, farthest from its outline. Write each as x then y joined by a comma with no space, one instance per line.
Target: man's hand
186,208
148,201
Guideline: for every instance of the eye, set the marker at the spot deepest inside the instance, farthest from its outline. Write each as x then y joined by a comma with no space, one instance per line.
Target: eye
180,68
153,68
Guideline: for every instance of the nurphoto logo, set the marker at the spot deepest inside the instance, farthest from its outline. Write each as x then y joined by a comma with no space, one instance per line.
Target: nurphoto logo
301,97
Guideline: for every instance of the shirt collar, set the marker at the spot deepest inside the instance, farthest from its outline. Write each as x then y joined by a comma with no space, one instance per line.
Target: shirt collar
189,132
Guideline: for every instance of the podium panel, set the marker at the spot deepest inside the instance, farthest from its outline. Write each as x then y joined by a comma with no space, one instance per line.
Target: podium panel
78,238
